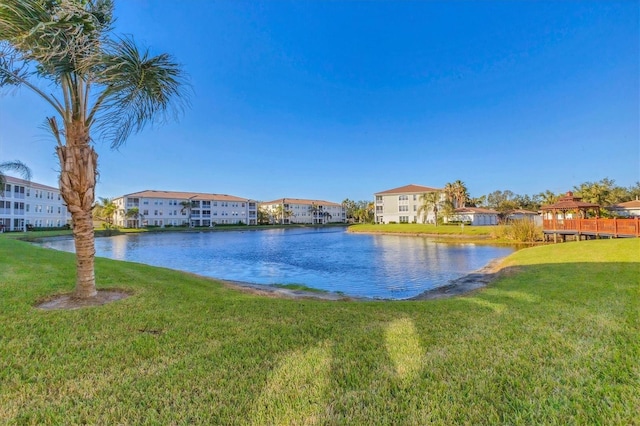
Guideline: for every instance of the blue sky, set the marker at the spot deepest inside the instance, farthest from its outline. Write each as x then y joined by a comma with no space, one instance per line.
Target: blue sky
341,99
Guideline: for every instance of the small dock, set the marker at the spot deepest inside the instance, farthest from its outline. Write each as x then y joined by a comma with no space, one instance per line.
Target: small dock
590,228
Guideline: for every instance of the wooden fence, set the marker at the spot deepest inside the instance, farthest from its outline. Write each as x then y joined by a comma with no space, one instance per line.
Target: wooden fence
596,227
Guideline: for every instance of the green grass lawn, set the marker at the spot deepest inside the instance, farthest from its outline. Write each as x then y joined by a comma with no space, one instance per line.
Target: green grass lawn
555,342
419,228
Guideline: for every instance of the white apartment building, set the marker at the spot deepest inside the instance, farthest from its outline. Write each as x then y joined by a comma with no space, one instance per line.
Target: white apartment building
300,211
402,205
171,208
25,204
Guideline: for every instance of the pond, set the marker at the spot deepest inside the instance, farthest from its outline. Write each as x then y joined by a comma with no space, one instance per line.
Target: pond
360,265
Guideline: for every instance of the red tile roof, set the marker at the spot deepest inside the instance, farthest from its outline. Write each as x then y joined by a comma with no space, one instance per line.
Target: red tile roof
523,211
633,204
301,201
176,195
409,189
570,202
475,210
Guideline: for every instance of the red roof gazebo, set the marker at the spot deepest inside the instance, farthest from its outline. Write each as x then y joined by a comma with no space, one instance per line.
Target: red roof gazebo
571,203
560,224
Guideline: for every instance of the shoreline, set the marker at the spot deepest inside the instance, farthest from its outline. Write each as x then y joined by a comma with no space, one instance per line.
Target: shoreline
470,282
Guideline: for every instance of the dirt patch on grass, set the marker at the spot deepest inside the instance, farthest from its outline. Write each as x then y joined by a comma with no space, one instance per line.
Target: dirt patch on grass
68,301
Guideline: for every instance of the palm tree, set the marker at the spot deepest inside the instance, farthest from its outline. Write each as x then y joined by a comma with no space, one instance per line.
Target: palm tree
134,213
460,194
186,207
104,210
547,197
314,209
430,202
449,192
104,84
15,166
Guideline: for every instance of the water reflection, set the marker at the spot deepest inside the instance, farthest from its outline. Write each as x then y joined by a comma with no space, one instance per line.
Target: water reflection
380,266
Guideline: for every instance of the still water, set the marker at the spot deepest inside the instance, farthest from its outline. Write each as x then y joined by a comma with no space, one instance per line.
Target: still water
374,266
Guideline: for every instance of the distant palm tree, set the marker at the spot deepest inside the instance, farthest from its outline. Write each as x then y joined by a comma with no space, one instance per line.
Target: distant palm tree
460,194
134,213
314,209
430,202
326,216
449,193
15,166
187,205
104,84
547,197
104,209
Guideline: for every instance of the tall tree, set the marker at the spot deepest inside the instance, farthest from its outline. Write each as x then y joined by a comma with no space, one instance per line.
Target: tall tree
15,166
430,201
134,213
449,193
263,216
104,83
547,197
634,191
104,209
314,209
503,202
185,207
459,194
350,207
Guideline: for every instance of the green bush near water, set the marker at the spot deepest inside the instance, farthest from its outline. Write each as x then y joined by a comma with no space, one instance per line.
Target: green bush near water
555,341
521,230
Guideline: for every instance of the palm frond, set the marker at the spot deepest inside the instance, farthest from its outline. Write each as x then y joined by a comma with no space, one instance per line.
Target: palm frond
16,166
139,89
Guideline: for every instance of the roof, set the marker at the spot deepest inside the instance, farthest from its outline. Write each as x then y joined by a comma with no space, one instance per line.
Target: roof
175,195
479,210
523,211
569,202
634,204
409,189
301,201
31,184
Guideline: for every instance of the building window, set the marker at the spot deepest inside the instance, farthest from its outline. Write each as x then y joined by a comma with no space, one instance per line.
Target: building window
403,208
403,197
404,219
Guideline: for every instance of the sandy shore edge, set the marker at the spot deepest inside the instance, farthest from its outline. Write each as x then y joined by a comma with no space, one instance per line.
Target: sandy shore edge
468,283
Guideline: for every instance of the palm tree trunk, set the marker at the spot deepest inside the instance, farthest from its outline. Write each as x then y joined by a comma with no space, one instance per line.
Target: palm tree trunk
77,186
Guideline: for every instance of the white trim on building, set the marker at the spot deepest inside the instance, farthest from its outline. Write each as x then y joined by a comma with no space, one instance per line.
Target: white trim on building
26,204
167,208
303,211
402,205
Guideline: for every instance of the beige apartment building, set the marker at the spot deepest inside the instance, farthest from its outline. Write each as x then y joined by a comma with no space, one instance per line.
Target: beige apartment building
302,211
26,204
402,205
172,208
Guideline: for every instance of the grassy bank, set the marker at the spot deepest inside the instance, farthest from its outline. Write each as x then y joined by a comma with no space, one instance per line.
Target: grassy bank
428,229
555,343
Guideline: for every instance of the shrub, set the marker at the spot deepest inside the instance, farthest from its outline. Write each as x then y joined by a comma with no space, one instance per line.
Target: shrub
522,230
